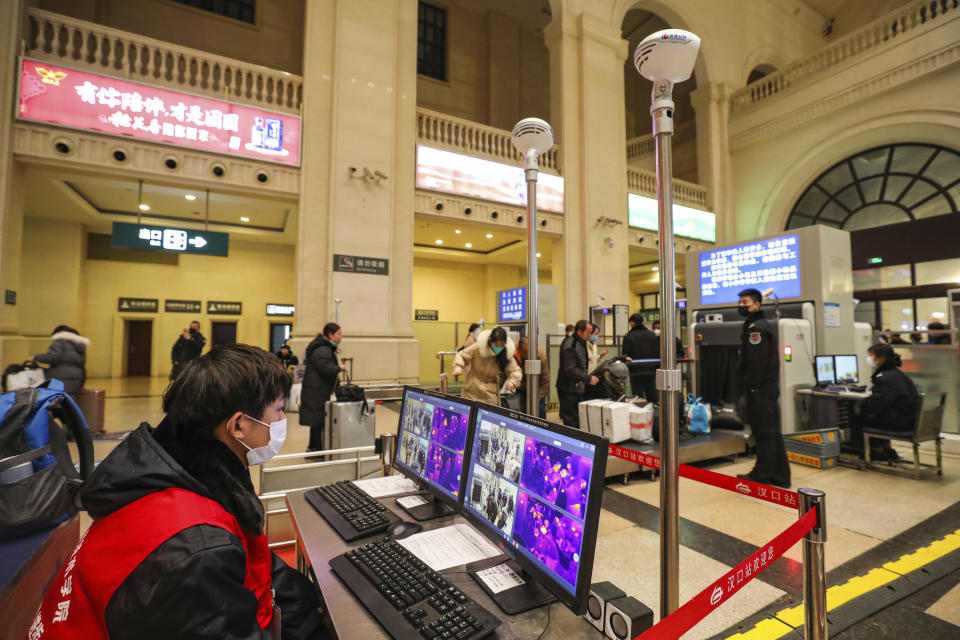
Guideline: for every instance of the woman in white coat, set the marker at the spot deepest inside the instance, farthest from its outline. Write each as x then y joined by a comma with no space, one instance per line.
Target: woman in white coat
486,364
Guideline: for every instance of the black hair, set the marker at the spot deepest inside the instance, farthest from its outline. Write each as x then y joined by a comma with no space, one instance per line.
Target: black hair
581,326
63,327
216,385
636,319
197,322
753,294
284,346
499,335
330,328
569,327
885,351
473,327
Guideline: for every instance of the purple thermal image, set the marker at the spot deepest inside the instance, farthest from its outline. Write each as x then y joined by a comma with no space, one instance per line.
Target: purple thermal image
443,468
559,477
449,429
551,537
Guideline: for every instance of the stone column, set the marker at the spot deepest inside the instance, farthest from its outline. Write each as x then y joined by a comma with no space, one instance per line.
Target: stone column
587,113
359,110
13,346
712,106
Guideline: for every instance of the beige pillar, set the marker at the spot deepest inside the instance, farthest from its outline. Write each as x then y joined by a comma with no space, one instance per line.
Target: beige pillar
587,111
13,347
712,106
359,110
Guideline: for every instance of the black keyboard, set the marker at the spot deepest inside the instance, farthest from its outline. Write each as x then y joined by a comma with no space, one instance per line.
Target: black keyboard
410,600
845,388
350,510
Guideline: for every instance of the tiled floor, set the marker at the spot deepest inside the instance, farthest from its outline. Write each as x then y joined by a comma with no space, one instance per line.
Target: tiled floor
864,510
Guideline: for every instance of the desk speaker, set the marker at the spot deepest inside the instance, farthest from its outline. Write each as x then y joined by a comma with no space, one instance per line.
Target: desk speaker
600,594
627,618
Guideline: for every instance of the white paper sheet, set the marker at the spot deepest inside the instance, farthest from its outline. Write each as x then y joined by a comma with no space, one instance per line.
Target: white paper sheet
449,546
410,502
500,578
386,486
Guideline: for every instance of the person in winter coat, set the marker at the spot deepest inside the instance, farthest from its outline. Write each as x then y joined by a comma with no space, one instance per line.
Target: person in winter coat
472,334
612,375
67,358
486,364
641,343
523,352
286,356
319,381
177,548
573,376
892,405
594,355
187,347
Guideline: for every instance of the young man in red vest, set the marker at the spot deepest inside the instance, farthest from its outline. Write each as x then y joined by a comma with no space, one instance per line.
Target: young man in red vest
177,547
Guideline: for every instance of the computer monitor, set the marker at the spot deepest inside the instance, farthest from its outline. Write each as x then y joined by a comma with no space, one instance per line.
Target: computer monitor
535,488
431,439
825,370
846,369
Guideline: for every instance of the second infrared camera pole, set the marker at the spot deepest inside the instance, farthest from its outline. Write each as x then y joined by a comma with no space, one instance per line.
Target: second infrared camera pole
667,57
531,137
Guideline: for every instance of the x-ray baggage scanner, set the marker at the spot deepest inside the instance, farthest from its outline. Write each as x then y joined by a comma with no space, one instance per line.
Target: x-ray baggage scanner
807,279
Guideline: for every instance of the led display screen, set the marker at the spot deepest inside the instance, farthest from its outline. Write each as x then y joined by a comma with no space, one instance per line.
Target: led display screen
764,264
484,179
81,100
512,305
687,222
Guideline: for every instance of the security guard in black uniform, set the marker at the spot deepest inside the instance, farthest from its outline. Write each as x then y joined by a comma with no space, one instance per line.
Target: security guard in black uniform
759,371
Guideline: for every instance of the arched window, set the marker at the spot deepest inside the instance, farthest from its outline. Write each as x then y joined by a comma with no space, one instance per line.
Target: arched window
882,186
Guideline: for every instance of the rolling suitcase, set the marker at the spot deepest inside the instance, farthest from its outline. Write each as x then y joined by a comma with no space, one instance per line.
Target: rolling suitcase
91,403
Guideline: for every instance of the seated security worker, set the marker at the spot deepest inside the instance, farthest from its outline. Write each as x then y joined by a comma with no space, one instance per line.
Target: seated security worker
177,548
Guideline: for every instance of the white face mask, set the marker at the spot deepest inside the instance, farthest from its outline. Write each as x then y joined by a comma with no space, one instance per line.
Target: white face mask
261,455
871,362
656,332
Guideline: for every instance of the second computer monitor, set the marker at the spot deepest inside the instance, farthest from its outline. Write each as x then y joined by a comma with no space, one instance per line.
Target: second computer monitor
431,439
536,488
825,370
846,369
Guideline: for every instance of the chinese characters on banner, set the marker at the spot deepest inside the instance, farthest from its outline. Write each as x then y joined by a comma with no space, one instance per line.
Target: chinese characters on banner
81,100
512,305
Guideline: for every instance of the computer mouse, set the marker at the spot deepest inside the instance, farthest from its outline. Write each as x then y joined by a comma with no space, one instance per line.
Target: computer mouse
401,530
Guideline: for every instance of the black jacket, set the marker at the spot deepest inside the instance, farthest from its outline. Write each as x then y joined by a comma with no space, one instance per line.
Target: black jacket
191,585
573,375
893,401
640,344
67,357
186,349
759,364
288,359
319,380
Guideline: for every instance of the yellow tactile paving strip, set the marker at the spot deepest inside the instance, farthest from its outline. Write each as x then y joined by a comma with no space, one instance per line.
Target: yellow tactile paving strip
787,620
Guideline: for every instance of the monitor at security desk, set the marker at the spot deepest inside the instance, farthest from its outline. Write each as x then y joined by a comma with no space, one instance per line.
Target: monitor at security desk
535,488
825,370
846,369
431,439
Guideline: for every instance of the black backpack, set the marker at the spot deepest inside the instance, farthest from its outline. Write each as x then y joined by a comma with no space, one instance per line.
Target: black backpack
350,392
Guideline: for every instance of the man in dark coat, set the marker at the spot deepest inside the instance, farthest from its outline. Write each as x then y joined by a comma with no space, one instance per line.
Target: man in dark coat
286,356
319,381
573,375
642,344
67,359
613,376
759,372
187,347
177,548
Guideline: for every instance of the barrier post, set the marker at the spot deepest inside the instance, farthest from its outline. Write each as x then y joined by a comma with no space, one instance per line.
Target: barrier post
388,448
814,574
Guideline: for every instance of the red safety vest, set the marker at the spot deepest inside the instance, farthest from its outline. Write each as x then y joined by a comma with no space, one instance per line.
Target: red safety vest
115,545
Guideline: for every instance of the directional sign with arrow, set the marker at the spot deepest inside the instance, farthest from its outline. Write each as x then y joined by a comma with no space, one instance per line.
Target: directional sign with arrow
154,238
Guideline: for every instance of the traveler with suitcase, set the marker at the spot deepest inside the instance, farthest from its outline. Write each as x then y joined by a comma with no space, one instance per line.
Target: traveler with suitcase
319,381
67,358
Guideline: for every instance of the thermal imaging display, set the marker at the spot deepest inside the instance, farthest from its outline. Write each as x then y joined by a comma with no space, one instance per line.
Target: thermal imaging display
532,485
431,440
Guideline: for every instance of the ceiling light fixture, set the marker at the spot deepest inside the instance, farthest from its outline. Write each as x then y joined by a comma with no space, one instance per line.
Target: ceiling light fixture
190,197
538,255
244,219
457,231
489,235
469,245
439,241
144,207
655,269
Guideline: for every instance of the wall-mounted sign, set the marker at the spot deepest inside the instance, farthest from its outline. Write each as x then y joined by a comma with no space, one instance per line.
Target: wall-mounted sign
512,305
687,222
426,314
220,308
181,306
468,176
10,297
144,305
145,236
81,100
361,264
773,263
280,309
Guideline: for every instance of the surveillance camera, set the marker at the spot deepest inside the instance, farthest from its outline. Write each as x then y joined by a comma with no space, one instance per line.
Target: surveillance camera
531,137
367,174
438,205
667,55
380,174
338,300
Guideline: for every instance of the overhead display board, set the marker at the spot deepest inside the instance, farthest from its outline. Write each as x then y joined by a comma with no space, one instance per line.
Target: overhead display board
773,263
80,100
462,175
512,305
687,222
145,236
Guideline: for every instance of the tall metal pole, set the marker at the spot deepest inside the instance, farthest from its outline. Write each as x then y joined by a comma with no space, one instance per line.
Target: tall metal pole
668,376
532,364
814,574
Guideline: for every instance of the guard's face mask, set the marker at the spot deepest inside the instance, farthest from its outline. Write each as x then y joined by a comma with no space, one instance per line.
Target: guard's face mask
656,332
743,310
871,362
261,455
496,350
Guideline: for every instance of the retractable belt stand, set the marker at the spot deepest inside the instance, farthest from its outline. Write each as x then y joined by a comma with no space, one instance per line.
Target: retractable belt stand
814,574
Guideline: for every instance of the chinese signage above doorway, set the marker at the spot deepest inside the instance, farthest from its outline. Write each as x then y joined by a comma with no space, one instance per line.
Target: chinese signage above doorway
426,314
220,308
143,305
280,310
361,264
181,306
145,236
81,100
